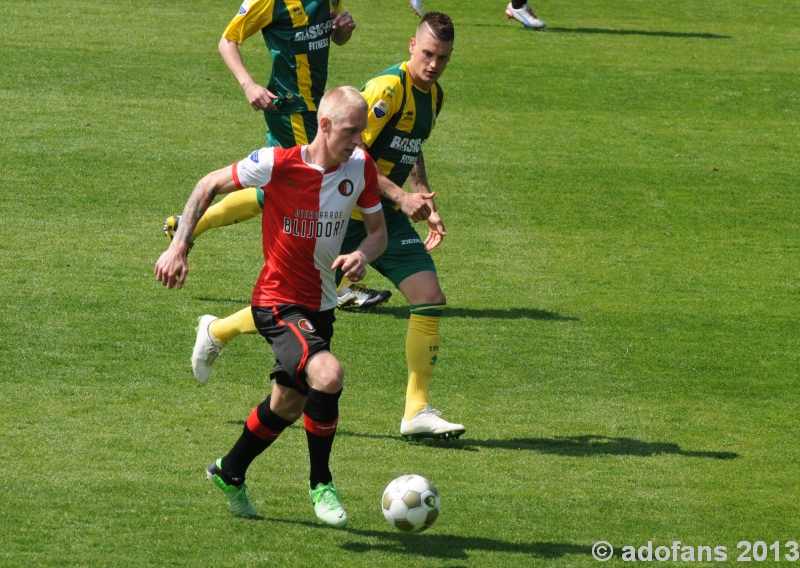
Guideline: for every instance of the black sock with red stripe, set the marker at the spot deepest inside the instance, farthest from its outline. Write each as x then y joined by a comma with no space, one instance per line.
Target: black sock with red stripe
320,418
262,428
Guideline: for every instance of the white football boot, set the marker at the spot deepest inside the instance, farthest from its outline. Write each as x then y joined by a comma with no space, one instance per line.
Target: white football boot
416,5
206,349
428,423
524,16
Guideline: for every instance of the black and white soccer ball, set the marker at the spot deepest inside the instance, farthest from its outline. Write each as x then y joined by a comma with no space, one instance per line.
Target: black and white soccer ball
411,503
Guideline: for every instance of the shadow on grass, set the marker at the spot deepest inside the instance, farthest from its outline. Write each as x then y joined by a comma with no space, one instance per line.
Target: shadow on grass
402,311
693,35
241,302
441,546
576,446
450,312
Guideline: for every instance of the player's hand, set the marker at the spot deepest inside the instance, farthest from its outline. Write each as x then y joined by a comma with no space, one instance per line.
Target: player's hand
343,23
259,97
172,268
436,231
354,265
416,207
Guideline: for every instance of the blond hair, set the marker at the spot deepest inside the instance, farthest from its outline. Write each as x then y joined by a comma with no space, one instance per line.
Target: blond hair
336,104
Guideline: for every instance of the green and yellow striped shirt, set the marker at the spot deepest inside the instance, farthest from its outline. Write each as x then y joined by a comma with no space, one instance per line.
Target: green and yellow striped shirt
298,35
401,118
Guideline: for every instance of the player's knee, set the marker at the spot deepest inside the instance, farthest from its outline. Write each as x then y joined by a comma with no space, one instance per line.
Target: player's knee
432,296
325,373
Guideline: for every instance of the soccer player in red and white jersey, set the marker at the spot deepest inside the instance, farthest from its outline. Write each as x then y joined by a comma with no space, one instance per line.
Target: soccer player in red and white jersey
310,193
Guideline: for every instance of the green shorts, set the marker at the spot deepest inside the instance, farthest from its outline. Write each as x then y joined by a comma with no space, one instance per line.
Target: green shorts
405,254
288,130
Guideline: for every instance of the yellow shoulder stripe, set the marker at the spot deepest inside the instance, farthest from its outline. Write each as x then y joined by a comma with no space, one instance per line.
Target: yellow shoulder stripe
258,15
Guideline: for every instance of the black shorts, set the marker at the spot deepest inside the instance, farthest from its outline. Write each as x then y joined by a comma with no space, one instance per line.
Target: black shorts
295,335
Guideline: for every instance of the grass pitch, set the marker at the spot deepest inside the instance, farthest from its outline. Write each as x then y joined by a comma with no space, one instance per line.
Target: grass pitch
620,192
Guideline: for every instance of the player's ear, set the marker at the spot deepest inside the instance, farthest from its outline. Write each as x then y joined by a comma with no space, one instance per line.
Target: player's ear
325,124
412,45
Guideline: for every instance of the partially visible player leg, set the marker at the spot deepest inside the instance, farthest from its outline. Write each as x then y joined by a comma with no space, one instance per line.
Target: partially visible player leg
212,335
306,364
520,10
427,303
234,208
228,473
320,418
416,5
234,325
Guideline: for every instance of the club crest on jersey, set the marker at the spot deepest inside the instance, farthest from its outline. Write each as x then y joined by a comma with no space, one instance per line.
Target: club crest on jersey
243,8
306,325
254,157
346,187
334,3
380,109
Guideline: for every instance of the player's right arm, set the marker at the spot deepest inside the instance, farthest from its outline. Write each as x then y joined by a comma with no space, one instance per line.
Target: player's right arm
172,268
256,16
258,96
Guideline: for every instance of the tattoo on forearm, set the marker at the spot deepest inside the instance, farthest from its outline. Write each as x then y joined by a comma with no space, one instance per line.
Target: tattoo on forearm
418,175
195,208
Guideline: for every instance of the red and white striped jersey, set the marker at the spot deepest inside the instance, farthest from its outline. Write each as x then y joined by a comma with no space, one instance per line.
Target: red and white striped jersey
306,210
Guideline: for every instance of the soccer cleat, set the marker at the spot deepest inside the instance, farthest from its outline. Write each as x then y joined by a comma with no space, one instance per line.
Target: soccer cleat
236,494
359,297
428,423
327,505
171,227
525,16
206,349
416,5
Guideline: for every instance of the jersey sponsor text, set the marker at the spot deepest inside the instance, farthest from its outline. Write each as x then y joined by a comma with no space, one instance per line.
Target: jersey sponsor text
310,229
315,31
413,145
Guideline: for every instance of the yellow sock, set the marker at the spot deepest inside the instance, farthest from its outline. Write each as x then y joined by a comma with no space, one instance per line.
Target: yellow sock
225,329
422,351
235,207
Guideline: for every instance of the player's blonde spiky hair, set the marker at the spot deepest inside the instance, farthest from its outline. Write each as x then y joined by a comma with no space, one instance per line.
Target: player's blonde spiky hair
336,104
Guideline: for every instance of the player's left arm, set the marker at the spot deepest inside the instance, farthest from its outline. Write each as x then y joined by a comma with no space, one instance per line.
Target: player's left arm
412,204
343,26
418,181
355,264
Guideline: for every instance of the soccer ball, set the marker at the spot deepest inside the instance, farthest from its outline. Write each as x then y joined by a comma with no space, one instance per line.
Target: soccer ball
411,503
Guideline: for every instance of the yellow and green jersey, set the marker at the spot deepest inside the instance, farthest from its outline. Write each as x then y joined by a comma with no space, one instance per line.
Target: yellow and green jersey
298,35
401,118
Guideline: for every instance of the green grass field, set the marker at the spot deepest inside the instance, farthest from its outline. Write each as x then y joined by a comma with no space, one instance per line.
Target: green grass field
621,196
